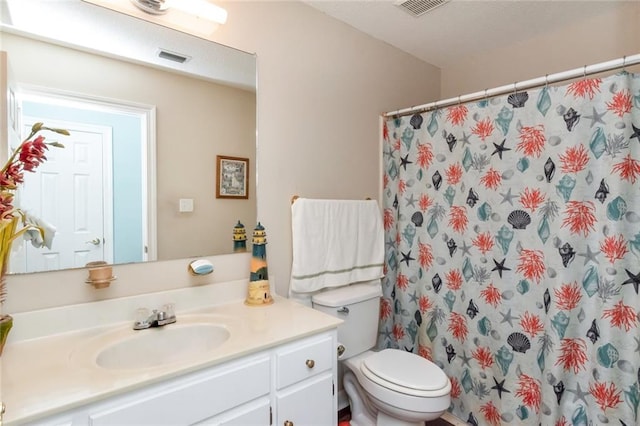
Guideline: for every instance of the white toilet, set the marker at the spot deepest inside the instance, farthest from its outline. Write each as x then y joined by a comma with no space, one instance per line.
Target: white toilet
389,387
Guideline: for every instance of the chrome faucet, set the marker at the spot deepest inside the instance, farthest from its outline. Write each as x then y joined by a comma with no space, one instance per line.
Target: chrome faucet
157,318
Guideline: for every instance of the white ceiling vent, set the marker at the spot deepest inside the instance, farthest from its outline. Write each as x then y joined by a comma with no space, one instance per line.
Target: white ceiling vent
419,7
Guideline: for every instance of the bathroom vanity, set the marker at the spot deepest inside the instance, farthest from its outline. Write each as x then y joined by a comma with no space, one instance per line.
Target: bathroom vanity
220,364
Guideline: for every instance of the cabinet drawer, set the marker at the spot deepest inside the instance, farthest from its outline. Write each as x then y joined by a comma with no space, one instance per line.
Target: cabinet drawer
303,360
191,400
254,413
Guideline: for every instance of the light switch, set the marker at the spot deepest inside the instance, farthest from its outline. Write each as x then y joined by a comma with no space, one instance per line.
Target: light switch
186,205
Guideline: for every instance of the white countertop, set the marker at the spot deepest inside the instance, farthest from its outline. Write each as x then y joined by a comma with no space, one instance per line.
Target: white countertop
46,375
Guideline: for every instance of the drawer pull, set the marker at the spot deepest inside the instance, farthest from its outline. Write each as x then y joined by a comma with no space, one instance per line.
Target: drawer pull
310,363
288,423
341,350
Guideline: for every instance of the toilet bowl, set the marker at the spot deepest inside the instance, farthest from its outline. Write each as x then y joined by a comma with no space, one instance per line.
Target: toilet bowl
387,387
394,387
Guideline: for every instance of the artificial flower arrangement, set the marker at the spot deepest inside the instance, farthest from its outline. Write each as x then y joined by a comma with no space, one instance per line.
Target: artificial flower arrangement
14,222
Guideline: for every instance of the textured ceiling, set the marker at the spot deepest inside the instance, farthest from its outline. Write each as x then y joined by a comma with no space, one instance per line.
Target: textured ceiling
460,28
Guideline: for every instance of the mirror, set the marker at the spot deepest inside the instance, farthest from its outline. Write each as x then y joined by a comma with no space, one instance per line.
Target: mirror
78,53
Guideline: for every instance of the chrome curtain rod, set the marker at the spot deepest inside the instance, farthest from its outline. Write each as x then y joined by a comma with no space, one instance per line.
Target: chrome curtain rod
521,85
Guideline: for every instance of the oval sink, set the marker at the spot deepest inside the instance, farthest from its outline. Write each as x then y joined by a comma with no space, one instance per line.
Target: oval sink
163,345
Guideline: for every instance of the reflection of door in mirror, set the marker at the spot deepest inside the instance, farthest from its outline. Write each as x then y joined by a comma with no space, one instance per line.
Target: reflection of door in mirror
103,138
70,176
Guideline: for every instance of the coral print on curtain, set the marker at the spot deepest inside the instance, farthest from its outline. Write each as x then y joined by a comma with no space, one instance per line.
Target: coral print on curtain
512,234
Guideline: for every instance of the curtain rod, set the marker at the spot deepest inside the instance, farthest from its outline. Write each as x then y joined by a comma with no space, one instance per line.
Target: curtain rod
522,85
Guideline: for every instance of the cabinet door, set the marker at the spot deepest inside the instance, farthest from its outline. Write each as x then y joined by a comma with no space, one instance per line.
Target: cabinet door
254,413
309,403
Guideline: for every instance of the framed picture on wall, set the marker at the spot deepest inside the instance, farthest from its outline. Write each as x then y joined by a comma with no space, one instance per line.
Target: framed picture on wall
232,177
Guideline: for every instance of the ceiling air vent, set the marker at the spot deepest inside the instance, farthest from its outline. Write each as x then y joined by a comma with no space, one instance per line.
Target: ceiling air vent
173,56
419,7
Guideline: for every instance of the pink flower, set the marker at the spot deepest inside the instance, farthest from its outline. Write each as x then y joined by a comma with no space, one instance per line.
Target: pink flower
11,177
28,156
6,204
32,153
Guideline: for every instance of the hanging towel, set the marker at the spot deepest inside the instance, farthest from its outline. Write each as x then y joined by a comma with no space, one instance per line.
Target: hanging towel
335,243
42,236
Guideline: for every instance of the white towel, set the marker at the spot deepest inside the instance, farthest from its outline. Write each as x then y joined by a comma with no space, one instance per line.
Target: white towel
335,243
42,235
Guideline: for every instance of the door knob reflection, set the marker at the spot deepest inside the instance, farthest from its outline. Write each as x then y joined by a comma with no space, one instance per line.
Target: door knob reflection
95,241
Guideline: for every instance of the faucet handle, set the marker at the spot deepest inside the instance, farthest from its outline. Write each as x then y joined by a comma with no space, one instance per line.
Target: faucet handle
169,310
142,319
166,315
142,315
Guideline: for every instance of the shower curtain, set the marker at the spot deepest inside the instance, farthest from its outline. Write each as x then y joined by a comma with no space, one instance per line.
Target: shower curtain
512,251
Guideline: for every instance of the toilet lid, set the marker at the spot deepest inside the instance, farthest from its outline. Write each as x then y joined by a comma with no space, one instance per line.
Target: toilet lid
404,369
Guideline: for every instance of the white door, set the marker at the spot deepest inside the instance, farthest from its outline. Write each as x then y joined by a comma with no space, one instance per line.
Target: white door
71,176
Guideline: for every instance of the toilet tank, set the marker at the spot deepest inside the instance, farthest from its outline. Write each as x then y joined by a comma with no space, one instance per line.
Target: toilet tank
358,305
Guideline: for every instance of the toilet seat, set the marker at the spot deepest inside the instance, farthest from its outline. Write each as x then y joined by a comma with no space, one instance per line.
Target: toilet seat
406,373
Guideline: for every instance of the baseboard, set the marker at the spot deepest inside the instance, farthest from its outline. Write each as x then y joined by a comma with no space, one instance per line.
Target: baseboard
450,418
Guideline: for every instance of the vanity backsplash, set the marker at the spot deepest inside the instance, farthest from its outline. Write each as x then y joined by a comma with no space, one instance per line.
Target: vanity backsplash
30,292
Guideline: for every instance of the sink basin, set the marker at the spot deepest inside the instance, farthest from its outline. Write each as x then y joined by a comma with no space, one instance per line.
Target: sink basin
192,338
162,345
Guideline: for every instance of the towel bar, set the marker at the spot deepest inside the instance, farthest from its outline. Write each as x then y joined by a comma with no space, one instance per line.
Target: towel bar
295,197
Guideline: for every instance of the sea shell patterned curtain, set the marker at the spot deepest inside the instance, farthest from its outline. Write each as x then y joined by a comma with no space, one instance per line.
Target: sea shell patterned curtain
512,234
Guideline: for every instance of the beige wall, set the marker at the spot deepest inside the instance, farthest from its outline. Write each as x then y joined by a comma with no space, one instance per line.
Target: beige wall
321,88
196,120
608,36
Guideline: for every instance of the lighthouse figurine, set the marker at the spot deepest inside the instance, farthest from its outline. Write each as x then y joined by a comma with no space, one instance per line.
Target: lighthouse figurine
258,292
239,238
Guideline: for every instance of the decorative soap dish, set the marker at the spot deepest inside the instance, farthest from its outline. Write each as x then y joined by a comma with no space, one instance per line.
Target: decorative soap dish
100,274
200,267
101,283
108,280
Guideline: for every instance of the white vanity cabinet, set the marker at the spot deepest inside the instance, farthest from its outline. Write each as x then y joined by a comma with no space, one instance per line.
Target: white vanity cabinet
305,382
290,384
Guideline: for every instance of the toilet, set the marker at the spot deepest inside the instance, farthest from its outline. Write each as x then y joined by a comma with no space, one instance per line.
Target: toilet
387,387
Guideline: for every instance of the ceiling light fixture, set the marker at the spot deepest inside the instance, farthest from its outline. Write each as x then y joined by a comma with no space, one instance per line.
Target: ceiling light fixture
198,8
